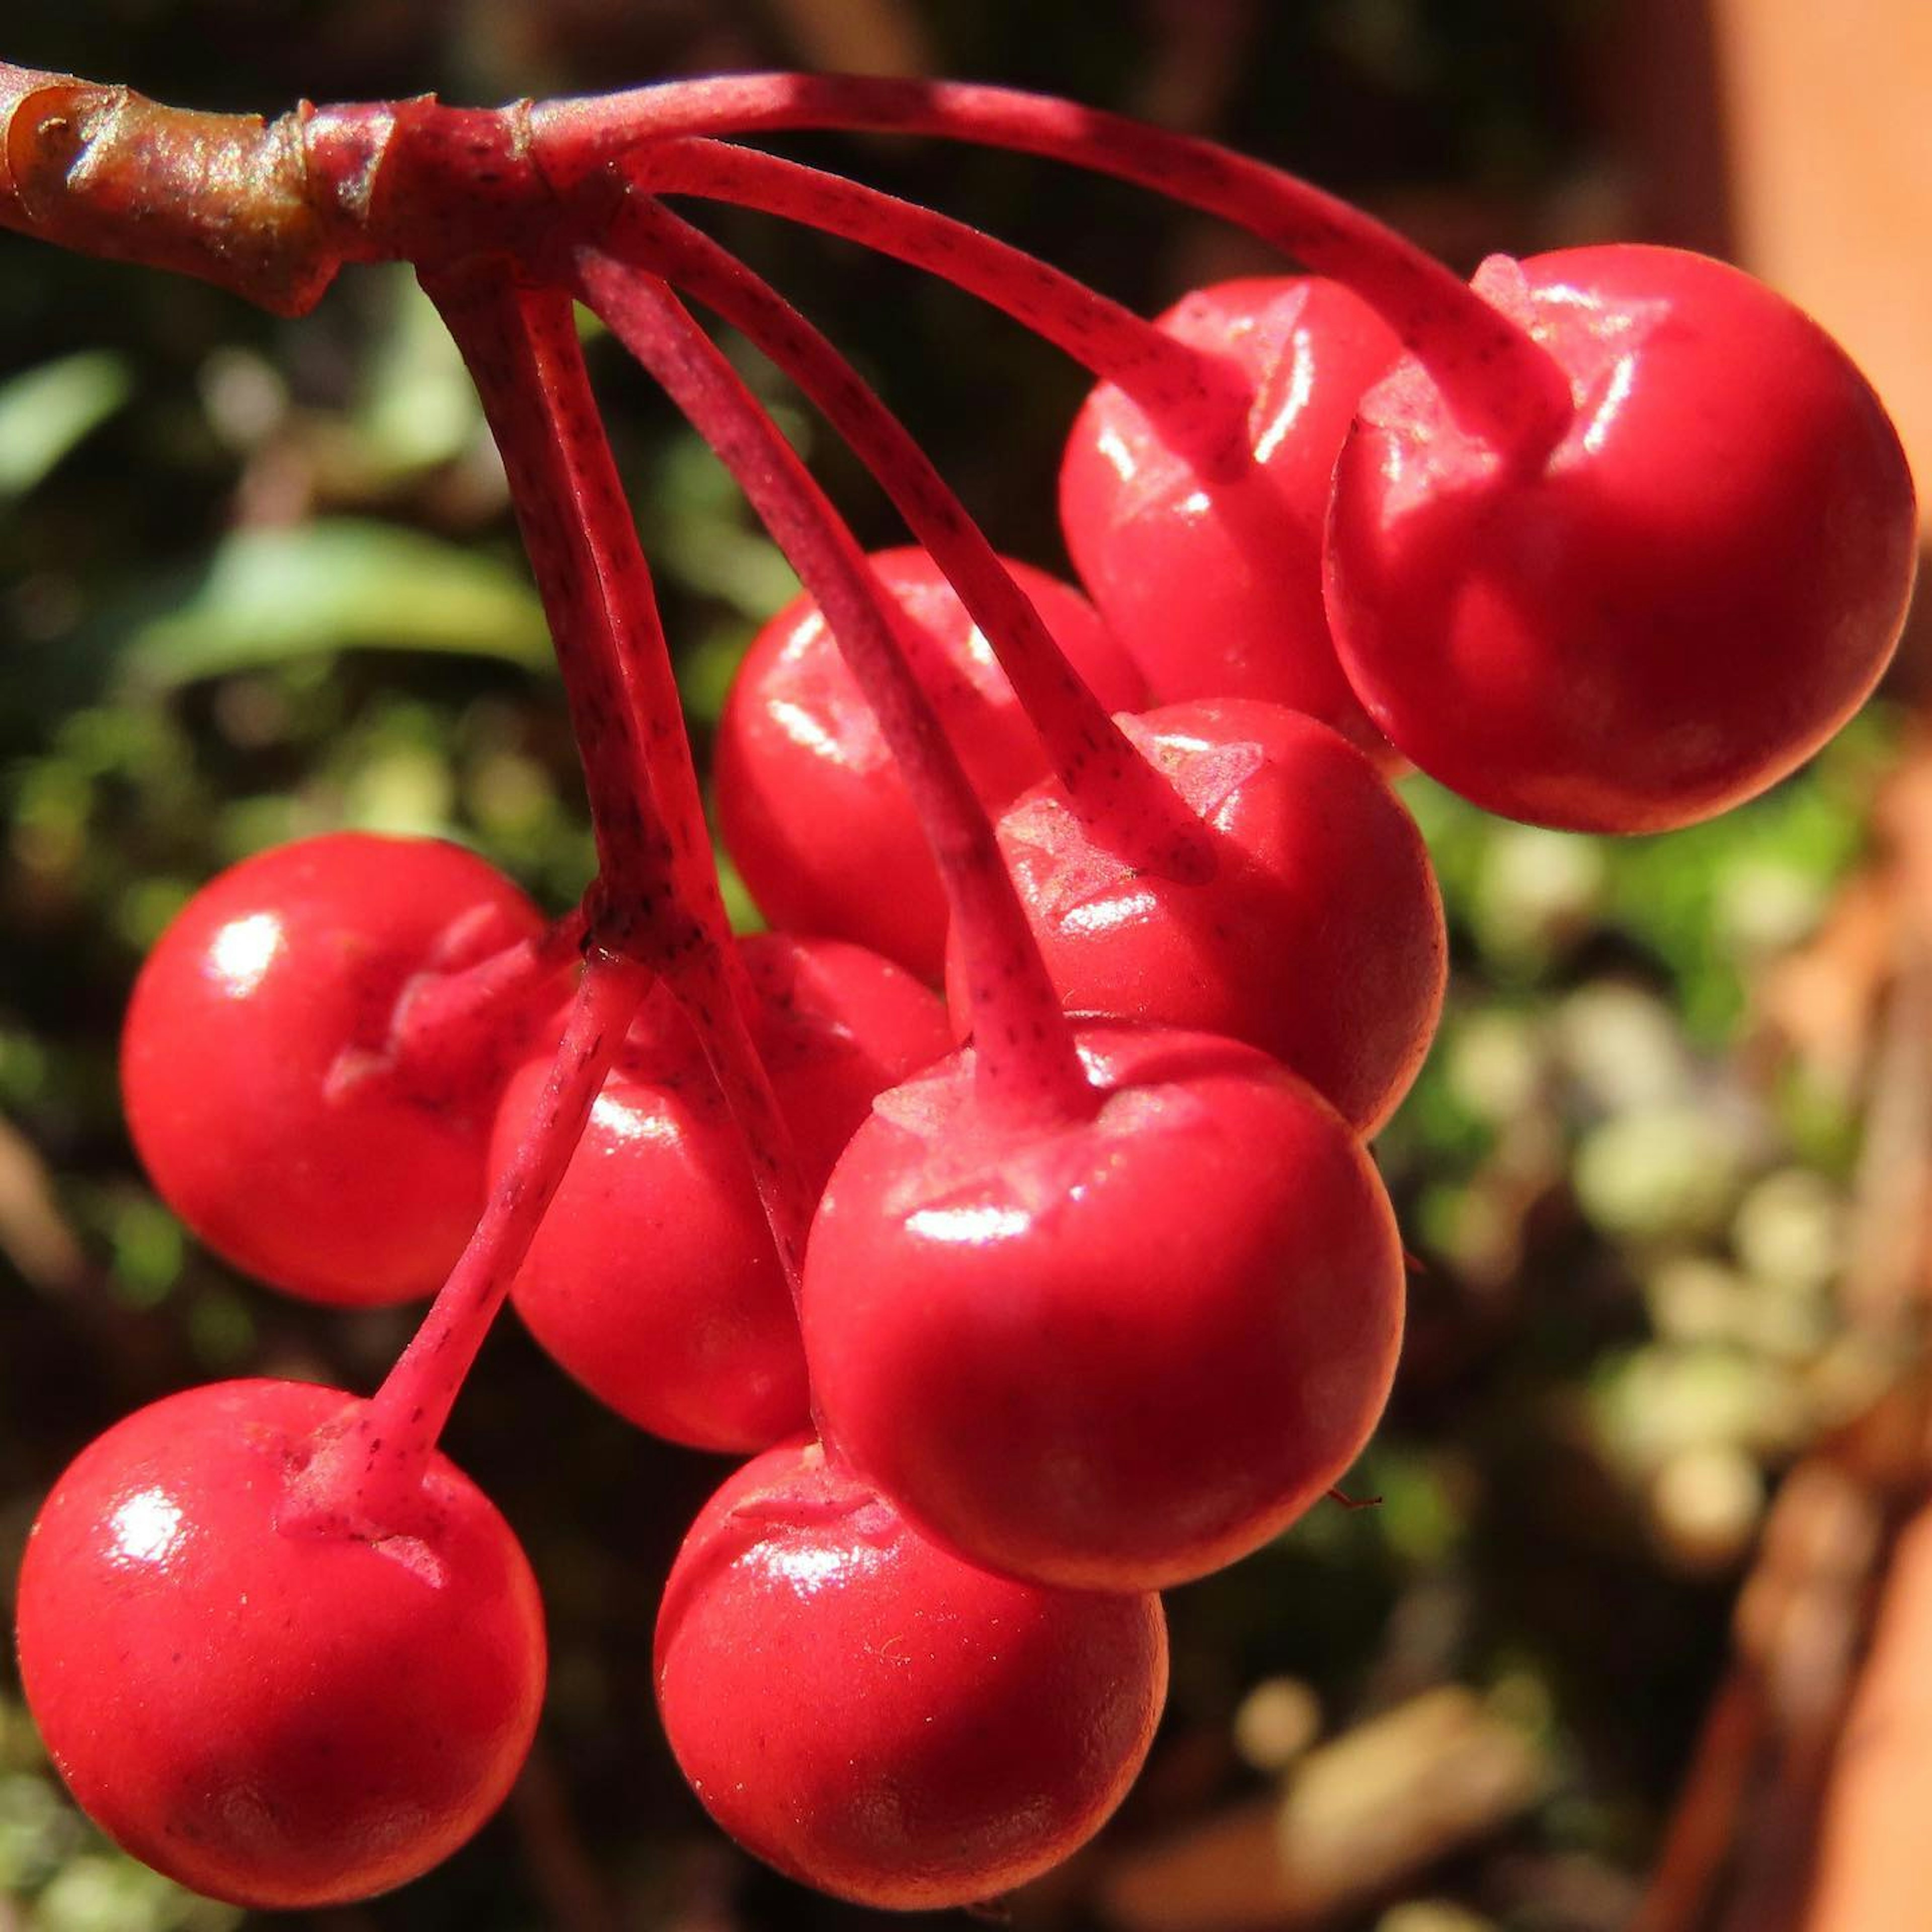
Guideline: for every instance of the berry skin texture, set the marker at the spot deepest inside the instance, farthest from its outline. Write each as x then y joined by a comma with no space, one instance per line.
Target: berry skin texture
877,1719
1116,1353
1320,939
281,1718
1213,581
263,1073
653,1279
812,808
1699,585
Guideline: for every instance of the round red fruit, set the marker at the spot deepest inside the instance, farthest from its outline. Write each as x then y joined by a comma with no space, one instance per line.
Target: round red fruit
283,1717
1319,939
273,1091
1115,1352
880,1720
1679,605
811,806
653,1279
1209,573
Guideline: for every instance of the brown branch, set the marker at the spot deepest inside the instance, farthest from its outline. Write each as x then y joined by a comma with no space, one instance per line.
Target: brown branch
105,170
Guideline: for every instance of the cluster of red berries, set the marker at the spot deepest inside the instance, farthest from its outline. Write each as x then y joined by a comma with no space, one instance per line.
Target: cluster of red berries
1088,1306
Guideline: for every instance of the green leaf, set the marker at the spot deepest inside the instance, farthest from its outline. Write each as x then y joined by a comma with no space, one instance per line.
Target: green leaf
45,411
421,406
336,584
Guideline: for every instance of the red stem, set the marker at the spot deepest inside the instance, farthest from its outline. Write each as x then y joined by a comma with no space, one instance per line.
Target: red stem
1125,802
715,993
520,344
271,210
440,1011
1167,377
660,897
600,633
1499,383
413,1403
1026,1068
367,1473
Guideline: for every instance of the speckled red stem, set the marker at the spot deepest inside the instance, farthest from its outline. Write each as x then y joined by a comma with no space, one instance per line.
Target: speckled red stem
272,209
1027,1067
1204,397
439,1012
369,1471
520,343
1499,383
660,897
1126,804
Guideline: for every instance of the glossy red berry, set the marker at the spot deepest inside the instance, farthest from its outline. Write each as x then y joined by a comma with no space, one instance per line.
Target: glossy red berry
1213,581
812,808
273,1092
1115,1352
880,1720
1699,586
654,1279
1319,939
281,1717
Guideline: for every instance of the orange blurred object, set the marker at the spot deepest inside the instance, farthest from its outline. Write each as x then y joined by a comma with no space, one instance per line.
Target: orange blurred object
1828,111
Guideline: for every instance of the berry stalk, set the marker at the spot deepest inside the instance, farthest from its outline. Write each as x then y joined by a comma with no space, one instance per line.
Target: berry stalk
658,897
366,1473
438,1013
1129,806
1167,377
520,345
1027,1069
272,210
1499,383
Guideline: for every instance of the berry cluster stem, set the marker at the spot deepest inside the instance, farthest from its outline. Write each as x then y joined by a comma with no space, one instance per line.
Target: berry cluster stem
1126,803
272,210
413,1404
366,1475
439,1013
520,344
1170,380
1026,1064
106,171
659,896
1500,384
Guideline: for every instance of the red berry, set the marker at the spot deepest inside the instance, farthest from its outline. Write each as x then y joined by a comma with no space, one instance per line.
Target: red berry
263,1066
1320,939
876,1718
654,1279
1114,1353
1213,582
281,1717
812,808
1699,586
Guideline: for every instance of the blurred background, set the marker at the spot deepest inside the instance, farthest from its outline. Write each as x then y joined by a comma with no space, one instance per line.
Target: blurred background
1613,1646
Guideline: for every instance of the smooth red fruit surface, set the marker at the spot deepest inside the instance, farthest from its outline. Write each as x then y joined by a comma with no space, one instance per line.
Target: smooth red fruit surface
1116,1353
653,1279
281,1718
812,808
1319,939
262,1077
1214,581
1697,588
877,1719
